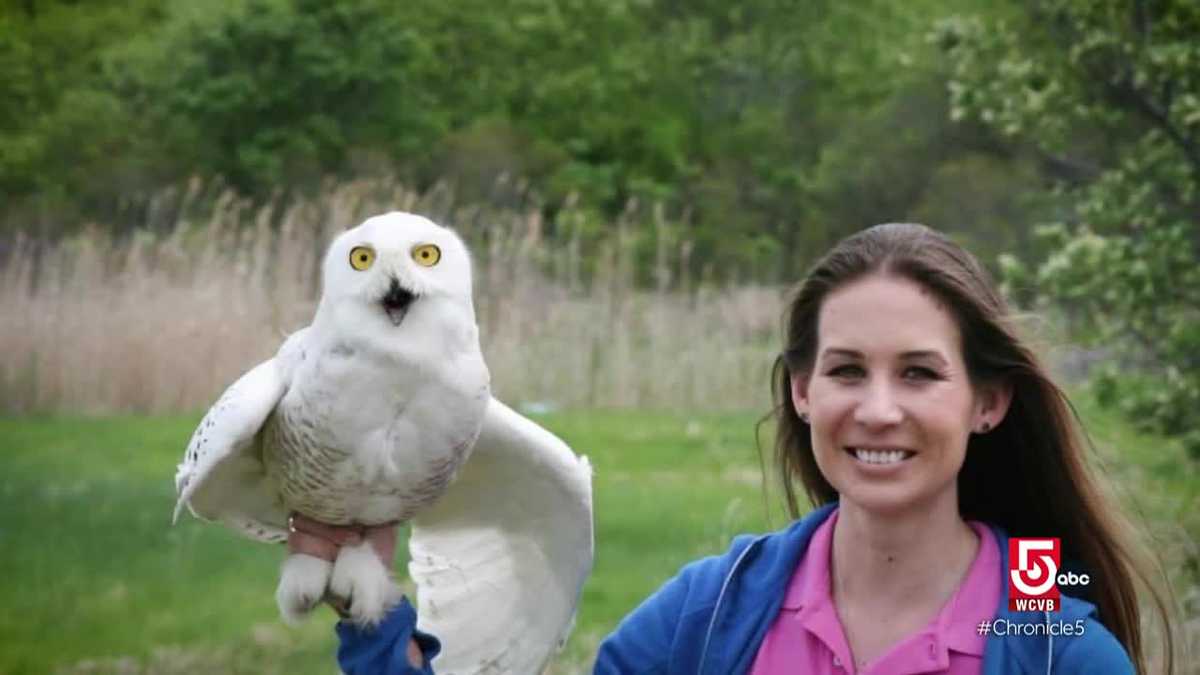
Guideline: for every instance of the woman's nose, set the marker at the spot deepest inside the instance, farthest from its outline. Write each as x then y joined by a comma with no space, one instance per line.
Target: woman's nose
878,406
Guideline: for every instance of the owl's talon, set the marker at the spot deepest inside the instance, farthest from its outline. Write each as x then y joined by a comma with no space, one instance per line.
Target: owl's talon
362,579
302,584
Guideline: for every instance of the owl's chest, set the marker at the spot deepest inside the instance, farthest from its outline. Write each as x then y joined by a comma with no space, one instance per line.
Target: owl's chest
371,443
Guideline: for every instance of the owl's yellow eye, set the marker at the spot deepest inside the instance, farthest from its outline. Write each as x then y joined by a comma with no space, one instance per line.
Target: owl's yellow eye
361,257
426,255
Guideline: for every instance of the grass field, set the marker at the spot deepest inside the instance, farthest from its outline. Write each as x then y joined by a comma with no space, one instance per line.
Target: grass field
96,581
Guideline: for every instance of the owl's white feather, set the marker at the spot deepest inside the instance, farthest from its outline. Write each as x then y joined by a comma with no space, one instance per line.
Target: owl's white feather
366,417
513,536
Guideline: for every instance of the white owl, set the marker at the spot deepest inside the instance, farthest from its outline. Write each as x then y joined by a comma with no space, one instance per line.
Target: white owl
380,411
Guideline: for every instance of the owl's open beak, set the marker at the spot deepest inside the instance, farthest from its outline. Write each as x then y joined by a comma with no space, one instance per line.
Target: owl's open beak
396,301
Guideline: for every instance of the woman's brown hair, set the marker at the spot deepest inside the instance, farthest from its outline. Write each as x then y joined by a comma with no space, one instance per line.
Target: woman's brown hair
1028,475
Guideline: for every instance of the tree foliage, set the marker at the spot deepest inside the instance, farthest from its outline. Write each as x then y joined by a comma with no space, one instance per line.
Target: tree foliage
767,128
274,93
1108,94
58,120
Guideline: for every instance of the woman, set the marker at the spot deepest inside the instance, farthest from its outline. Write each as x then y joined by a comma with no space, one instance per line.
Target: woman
927,434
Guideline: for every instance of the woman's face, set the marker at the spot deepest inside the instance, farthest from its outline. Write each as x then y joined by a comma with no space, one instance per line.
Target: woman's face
888,400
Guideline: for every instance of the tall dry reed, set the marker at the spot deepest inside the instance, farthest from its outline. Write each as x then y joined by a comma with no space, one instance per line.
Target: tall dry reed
151,323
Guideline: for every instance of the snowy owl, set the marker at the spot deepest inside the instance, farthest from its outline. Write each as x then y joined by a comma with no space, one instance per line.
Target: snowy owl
380,411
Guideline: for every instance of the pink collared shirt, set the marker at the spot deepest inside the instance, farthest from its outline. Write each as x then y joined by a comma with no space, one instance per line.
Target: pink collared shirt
807,636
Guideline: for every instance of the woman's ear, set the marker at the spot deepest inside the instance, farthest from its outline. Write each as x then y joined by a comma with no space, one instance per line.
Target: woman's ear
992,402
799,383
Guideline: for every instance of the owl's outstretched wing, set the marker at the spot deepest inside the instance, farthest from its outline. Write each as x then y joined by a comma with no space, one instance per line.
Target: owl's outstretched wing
222,476
500,560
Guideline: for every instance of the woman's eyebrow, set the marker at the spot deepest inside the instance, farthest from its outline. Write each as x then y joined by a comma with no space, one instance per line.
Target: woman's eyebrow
924,354
912,355
840,351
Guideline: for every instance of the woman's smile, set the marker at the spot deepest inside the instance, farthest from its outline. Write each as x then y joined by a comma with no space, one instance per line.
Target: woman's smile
885,457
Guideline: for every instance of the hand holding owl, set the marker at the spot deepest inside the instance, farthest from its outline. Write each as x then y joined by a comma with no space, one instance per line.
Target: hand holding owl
312,537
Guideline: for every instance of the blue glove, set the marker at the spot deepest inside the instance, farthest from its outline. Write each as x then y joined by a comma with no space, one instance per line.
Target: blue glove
384,650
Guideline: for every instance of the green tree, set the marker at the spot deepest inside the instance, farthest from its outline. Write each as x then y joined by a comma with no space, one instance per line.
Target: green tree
1107,93
271,94
63,141
767,128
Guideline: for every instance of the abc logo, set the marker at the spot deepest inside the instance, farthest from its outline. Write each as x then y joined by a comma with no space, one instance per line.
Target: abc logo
1072,579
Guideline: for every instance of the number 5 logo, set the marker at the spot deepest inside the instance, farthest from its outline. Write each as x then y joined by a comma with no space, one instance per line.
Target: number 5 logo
1041,572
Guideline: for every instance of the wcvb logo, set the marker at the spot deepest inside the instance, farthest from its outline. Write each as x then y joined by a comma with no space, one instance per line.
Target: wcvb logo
1033,577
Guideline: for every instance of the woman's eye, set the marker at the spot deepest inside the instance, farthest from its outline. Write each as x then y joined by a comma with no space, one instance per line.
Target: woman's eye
846,372
918,373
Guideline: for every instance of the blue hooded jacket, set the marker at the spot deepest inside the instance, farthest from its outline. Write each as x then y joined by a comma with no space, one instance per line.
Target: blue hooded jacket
711,618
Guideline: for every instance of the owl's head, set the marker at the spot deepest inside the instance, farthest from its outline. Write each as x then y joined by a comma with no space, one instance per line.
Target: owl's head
394,262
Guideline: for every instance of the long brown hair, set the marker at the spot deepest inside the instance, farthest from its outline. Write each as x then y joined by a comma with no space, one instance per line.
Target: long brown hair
1028,475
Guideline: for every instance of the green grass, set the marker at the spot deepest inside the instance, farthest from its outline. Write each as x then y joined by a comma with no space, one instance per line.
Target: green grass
93,572
96,580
